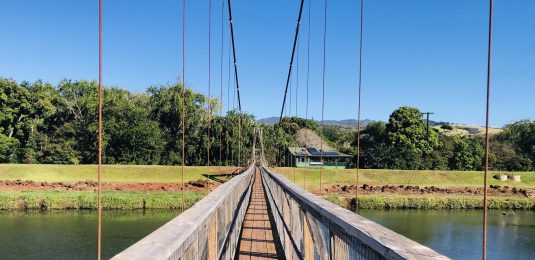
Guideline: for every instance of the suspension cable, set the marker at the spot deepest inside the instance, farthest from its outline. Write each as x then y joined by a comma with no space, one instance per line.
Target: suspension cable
292,58
100,97
183,119
239,139
297,77
228,107
221,87
307,76
234,53
289,110
485,201
323,86
209,80
296,93
358,116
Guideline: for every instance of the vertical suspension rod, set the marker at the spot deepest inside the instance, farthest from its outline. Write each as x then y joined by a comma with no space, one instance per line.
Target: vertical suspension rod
183,95
100,96
358,116
209,81
292,57
308,76
485,201
323,85
221,89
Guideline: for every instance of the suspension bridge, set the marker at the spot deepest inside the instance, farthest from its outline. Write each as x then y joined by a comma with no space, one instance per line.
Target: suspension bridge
259,214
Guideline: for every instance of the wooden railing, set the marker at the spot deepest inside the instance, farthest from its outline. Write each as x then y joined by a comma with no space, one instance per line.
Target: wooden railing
208,230
312,228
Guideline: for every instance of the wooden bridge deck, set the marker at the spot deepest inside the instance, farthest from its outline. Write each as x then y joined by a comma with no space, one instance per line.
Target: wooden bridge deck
258,239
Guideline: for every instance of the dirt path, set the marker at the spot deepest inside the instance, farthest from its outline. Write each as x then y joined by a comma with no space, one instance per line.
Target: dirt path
20,185
494,190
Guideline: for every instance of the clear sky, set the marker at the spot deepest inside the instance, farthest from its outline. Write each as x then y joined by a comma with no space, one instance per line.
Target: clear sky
422,53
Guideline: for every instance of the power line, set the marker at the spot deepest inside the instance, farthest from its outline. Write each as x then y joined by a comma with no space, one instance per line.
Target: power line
292,58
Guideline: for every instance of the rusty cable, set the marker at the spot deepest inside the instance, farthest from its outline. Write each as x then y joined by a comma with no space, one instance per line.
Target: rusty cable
323,86
221,88
183,93
358,116
209,81
485,201
308,76
100,97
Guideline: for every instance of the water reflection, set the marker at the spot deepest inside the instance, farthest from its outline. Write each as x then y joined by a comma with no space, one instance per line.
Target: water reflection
72,234
458,233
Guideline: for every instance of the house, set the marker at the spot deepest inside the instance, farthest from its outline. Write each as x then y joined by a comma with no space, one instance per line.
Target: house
308,157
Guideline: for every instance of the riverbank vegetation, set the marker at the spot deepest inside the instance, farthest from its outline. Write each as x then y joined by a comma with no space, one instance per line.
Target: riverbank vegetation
432,202
52,200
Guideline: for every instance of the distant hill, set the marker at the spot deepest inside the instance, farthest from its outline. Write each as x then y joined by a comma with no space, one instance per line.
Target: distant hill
268,121
348,123
465,130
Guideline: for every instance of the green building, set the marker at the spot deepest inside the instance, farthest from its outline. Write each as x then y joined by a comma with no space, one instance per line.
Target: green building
308,157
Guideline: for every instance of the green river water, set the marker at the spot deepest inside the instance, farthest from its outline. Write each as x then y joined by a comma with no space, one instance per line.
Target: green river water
72,234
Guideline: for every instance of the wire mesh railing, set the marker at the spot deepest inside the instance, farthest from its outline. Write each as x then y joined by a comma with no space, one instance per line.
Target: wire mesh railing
312,228
208,230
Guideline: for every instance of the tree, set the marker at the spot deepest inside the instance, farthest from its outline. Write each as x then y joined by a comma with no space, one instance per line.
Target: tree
521,135
468,154
503,156
8,147
407,133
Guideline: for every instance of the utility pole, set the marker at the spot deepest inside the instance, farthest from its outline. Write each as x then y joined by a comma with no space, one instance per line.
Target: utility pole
427,122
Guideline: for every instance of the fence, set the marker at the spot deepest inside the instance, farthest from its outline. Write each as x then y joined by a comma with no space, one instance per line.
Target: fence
208,230
312,228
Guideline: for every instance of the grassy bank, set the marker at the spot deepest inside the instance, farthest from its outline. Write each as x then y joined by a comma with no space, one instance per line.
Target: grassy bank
331,177
51,200
436,202
110,173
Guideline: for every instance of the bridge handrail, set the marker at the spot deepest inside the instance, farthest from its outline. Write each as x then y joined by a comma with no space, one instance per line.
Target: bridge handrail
309,226
208,230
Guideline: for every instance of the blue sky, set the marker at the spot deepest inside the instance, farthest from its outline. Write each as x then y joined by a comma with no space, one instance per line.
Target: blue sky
427,54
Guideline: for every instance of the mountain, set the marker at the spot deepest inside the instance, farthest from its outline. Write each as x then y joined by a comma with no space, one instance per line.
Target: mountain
348,123
268,121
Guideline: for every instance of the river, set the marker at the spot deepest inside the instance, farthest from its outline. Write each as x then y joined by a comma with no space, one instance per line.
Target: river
72,234
458,233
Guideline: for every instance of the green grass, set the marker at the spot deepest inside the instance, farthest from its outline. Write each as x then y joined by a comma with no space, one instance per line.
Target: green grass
110,173
52,200
399,177
433,202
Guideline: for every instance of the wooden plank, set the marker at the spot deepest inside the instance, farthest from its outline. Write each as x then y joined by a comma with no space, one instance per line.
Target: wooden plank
308,242
256,240
212,239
